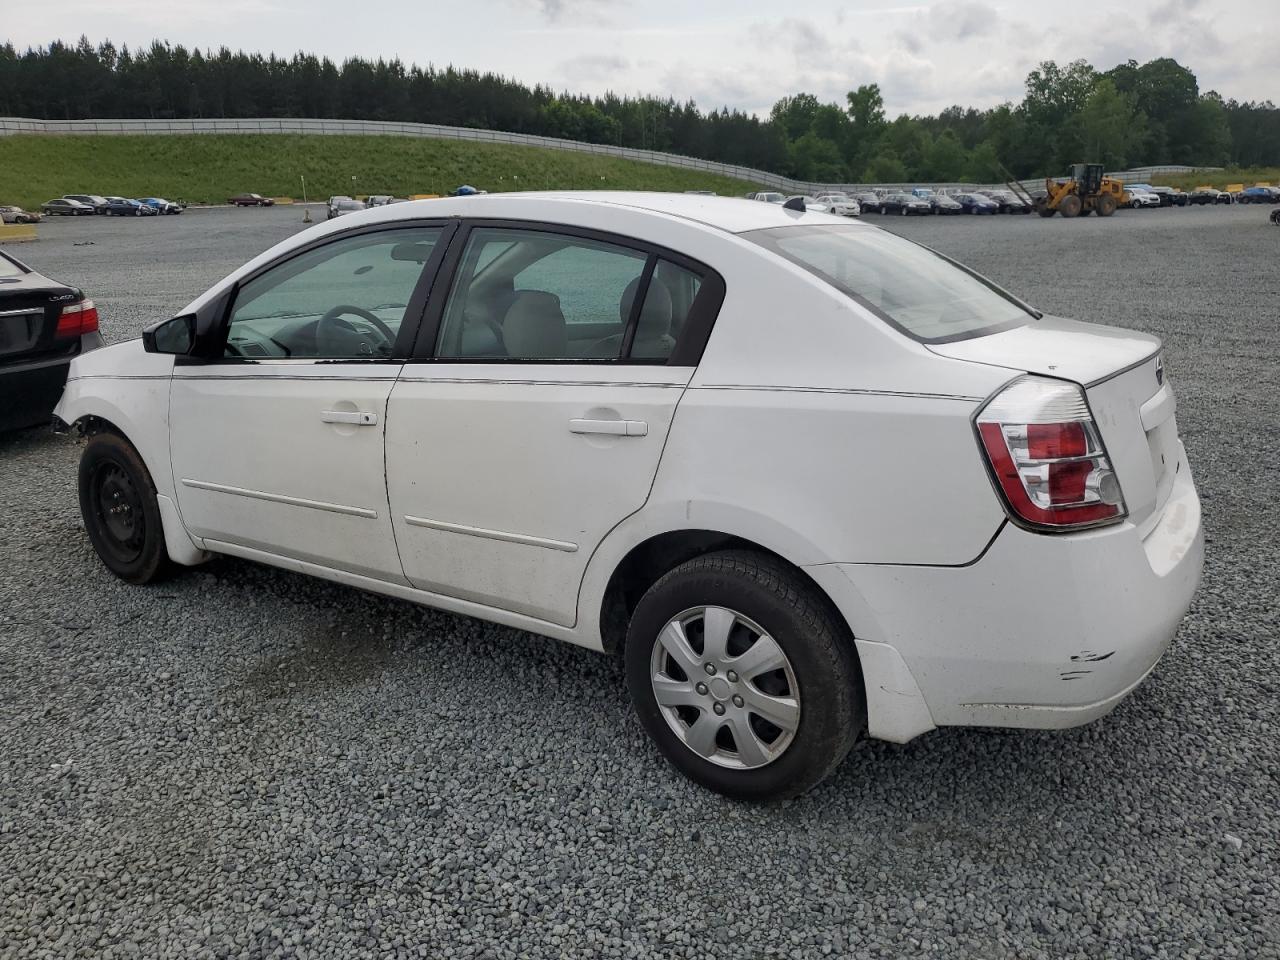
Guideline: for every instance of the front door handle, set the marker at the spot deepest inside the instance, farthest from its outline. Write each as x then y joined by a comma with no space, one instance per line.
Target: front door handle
614,428
358,417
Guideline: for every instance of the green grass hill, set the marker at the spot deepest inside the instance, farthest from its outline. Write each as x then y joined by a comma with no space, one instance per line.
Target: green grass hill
208,168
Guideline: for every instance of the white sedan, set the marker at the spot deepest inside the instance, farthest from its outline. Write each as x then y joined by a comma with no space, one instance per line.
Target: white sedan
810,480
842,205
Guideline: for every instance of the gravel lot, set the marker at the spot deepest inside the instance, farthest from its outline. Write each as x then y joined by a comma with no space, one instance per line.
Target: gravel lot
247,763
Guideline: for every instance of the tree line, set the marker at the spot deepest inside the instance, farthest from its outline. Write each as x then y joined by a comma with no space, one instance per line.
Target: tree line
1131,115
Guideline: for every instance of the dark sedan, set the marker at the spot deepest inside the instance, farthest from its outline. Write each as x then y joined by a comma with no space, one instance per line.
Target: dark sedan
62,207
250,200
1006,201
976,203
868,201
944,204
1170,196
905,204
124,207
98,203
43,325
161,205
1258,195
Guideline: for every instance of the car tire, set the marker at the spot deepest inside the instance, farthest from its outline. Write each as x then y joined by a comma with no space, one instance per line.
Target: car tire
120,510
813,681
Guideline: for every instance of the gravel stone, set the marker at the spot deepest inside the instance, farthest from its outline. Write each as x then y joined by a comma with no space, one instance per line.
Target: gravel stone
243,762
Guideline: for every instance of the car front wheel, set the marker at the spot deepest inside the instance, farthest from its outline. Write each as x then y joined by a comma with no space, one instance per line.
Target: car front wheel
120,510
744,676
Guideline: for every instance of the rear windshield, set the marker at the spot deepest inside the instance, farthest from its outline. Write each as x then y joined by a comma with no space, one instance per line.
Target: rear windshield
919,292
8,268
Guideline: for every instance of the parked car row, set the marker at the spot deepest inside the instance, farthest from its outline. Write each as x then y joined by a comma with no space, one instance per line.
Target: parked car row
1260,193
841,204
926,200
90,204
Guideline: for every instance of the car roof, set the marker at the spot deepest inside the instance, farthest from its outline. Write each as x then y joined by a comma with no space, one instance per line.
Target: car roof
723,213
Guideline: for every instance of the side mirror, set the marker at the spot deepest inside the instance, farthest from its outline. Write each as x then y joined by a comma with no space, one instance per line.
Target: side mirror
176,336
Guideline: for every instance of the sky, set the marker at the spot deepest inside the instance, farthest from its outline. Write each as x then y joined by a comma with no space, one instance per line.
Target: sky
746,54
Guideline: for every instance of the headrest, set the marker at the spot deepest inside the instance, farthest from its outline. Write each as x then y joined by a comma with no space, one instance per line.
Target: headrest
655,315
534,327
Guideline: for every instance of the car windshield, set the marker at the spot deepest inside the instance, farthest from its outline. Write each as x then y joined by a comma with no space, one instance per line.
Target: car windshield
914,289
8,268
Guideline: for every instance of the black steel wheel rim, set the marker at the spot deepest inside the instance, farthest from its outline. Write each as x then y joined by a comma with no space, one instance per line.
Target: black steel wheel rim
118,511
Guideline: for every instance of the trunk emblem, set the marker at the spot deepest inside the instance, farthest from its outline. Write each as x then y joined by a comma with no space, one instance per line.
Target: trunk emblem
1160,371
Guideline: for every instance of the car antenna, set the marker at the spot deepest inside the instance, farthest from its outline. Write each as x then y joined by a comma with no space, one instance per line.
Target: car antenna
795,203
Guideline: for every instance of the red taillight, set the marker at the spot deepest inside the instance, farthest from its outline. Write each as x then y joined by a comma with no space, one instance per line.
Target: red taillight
1050,441
1047,457
77,319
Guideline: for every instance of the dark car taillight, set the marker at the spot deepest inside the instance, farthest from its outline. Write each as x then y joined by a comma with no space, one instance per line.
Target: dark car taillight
1047,456
77,319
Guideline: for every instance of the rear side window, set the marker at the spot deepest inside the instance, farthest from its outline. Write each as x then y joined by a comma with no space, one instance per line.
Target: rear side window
529,295
667,305
536,295
917,291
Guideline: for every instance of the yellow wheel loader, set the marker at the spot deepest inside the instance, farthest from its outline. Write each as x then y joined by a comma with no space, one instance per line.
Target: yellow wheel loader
1084,192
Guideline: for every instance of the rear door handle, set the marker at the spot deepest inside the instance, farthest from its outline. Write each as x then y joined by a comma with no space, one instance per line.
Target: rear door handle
614,428
358,417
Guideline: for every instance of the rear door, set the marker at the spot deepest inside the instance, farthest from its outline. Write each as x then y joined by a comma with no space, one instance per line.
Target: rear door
533,417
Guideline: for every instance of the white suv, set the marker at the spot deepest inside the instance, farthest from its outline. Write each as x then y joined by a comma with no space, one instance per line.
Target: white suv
811,480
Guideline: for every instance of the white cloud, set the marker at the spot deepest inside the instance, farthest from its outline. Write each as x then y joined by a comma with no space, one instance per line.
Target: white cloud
925,54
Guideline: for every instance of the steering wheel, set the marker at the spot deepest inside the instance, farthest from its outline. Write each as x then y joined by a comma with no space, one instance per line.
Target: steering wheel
330,319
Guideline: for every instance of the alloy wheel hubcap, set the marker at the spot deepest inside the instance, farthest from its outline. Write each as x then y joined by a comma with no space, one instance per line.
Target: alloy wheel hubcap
725,687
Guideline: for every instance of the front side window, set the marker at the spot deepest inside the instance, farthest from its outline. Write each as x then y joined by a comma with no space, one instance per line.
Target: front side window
345,300
910,286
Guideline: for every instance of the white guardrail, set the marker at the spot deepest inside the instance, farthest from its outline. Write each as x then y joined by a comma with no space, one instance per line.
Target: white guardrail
768,181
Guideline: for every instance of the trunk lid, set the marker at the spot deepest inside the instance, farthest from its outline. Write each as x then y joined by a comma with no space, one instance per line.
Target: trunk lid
1123,377
29,309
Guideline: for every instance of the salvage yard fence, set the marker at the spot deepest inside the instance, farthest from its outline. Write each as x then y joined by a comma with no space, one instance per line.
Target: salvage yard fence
370,128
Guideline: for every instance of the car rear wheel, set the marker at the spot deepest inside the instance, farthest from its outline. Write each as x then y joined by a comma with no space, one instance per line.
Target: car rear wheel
744,676
120,510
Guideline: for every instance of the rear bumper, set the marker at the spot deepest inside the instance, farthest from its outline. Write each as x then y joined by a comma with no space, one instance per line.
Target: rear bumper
1041,631
30,391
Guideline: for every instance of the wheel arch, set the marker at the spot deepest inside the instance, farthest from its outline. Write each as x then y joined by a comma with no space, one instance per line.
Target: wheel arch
641,550
86,417
634,570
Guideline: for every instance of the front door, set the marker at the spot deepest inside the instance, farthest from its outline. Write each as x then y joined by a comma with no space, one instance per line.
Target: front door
537,424
278,446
